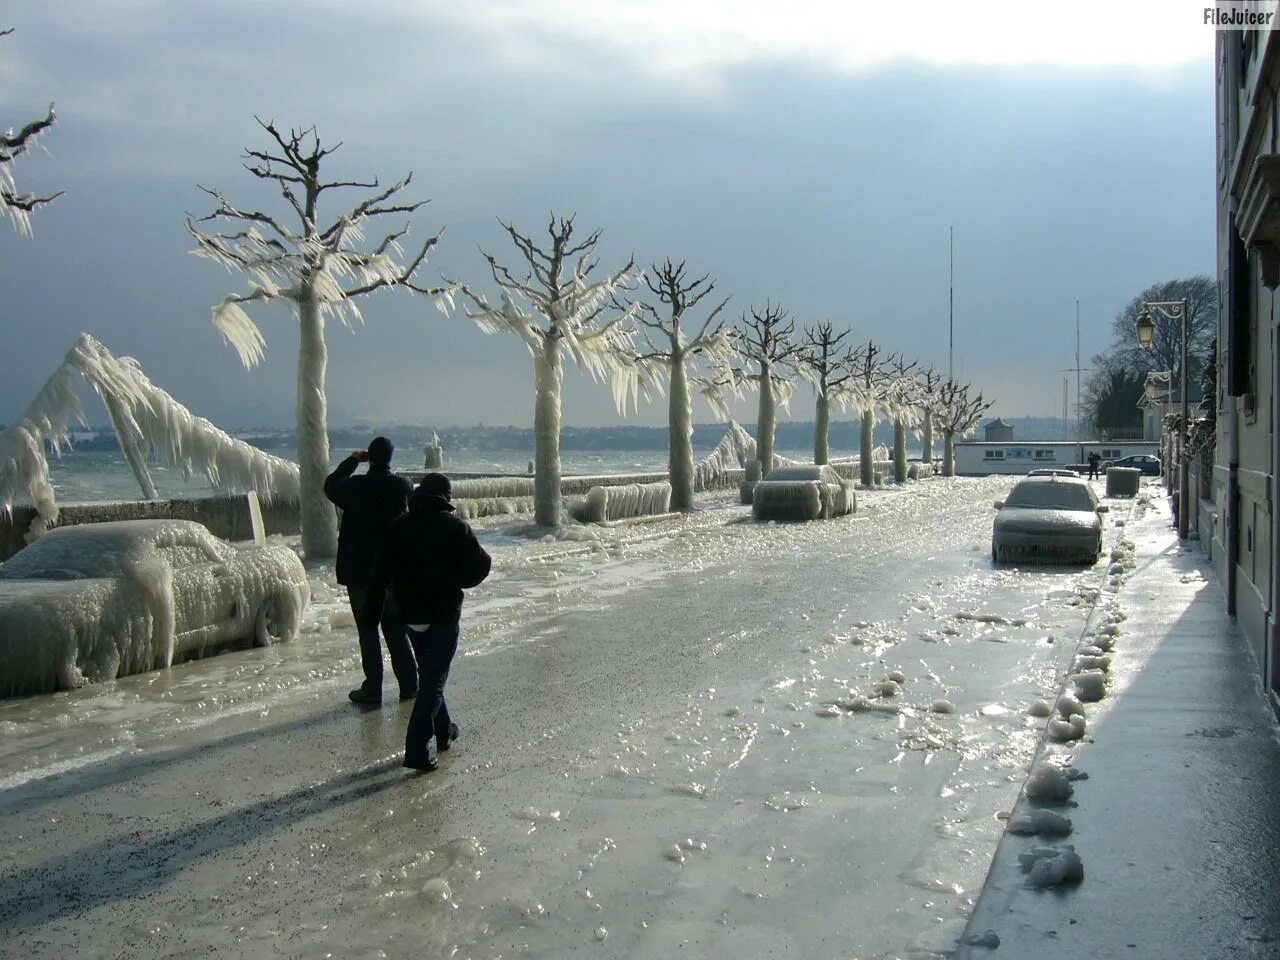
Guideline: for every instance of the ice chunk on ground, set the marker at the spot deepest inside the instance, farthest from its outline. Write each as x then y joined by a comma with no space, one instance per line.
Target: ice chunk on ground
1048,783
1068,705
1039,708
988,938
943,706
1044,822
1051,866
1064,731
1091,685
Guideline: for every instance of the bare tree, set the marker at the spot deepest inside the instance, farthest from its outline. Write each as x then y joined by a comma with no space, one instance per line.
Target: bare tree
319,272
958,414
828,364
675,352
874,378
766,340
14,204
569,311
930,384
903,405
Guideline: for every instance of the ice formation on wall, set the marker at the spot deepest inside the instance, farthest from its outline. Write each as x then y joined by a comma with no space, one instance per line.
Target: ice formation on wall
147,415
626,501
732,452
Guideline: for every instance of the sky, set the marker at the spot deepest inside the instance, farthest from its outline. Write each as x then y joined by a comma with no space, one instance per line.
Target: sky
813,154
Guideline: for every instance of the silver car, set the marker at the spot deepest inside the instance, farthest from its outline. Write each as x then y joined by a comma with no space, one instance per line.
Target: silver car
1048,519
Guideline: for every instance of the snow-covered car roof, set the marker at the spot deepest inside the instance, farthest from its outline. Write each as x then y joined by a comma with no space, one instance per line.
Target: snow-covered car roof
1052,493
820,472
104,549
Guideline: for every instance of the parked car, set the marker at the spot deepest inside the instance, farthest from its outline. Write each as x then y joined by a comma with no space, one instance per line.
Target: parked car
809,492
1148,464
96,601
1048,520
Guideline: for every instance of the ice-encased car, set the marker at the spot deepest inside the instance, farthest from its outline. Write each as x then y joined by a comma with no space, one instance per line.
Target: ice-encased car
96,601
1048,520
806,492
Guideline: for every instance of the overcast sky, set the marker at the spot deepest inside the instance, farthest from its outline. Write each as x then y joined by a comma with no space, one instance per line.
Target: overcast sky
812,153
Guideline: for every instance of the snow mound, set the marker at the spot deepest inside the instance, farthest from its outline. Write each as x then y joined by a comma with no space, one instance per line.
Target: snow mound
1091,685
1052,866
1048,783
1040,822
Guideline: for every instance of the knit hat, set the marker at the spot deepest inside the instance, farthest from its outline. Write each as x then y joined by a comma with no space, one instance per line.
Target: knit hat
436,485
380,450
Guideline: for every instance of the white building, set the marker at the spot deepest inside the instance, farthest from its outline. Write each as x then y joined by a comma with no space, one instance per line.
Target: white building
979,457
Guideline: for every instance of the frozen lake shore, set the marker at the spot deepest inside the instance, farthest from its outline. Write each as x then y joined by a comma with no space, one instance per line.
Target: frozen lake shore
665,748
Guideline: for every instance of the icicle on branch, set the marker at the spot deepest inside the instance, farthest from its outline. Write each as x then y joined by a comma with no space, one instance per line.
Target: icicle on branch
183,440
14,204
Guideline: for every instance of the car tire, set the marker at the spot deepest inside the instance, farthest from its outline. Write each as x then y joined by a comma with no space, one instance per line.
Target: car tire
269,626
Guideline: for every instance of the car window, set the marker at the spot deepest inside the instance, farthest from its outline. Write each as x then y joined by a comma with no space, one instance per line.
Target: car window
1051,496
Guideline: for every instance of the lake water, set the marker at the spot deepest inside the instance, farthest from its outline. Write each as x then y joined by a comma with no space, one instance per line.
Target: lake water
87,476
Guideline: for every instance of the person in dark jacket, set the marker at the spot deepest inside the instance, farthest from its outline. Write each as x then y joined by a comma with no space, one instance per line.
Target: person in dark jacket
430,556
369,502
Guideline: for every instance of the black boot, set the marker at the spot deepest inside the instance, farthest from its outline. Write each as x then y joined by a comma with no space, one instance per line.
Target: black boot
442,743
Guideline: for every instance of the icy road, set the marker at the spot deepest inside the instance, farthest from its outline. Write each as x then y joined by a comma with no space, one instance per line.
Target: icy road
682,740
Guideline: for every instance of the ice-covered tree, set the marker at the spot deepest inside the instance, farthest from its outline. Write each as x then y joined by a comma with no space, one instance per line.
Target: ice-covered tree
318,270
902,392
558,307
15,204
958,414
874,379
668,345
827,363
766,341
929,383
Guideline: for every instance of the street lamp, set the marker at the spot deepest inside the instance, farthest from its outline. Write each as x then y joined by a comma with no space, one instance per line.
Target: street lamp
1146,329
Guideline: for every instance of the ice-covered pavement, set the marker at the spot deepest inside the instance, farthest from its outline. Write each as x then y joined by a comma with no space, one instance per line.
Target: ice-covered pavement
704,735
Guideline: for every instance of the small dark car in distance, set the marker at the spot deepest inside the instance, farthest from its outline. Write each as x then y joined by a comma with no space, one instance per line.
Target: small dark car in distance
1148,464
1048,520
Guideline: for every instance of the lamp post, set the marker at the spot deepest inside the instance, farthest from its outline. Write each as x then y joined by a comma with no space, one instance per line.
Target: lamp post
1146,329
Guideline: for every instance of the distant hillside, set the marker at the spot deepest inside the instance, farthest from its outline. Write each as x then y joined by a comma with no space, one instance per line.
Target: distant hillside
791,435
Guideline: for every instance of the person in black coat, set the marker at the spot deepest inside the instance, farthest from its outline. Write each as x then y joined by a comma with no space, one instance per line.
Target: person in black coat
429,557
369,502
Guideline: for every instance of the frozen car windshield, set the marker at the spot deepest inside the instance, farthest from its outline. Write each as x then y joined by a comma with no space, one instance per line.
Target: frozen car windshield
1051,496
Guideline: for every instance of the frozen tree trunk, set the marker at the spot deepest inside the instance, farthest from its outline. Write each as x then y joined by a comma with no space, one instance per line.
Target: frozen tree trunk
926,430
822,429
132,447
319,519
899,451
866,468
949,456
546,435
680,443
766,421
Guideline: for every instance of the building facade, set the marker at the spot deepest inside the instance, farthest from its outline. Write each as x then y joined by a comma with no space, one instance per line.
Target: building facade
977,458
1237,515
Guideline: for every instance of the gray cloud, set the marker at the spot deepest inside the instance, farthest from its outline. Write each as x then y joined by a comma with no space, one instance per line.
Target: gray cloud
829,191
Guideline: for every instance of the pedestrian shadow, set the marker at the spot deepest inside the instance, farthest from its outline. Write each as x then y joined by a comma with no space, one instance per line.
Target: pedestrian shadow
124,769
124,867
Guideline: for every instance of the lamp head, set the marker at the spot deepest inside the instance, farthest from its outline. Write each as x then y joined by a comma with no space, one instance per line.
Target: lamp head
1146,329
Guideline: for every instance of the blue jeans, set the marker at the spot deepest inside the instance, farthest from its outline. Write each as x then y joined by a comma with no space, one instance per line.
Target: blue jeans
434,649
393,629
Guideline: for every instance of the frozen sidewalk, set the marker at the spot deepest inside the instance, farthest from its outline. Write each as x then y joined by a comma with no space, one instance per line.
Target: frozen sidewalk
1178,821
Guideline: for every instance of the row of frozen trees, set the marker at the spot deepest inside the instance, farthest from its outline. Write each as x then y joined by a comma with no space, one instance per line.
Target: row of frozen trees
641,332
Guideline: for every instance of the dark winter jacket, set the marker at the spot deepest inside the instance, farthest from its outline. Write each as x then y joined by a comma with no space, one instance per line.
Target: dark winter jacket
428,558
368,503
